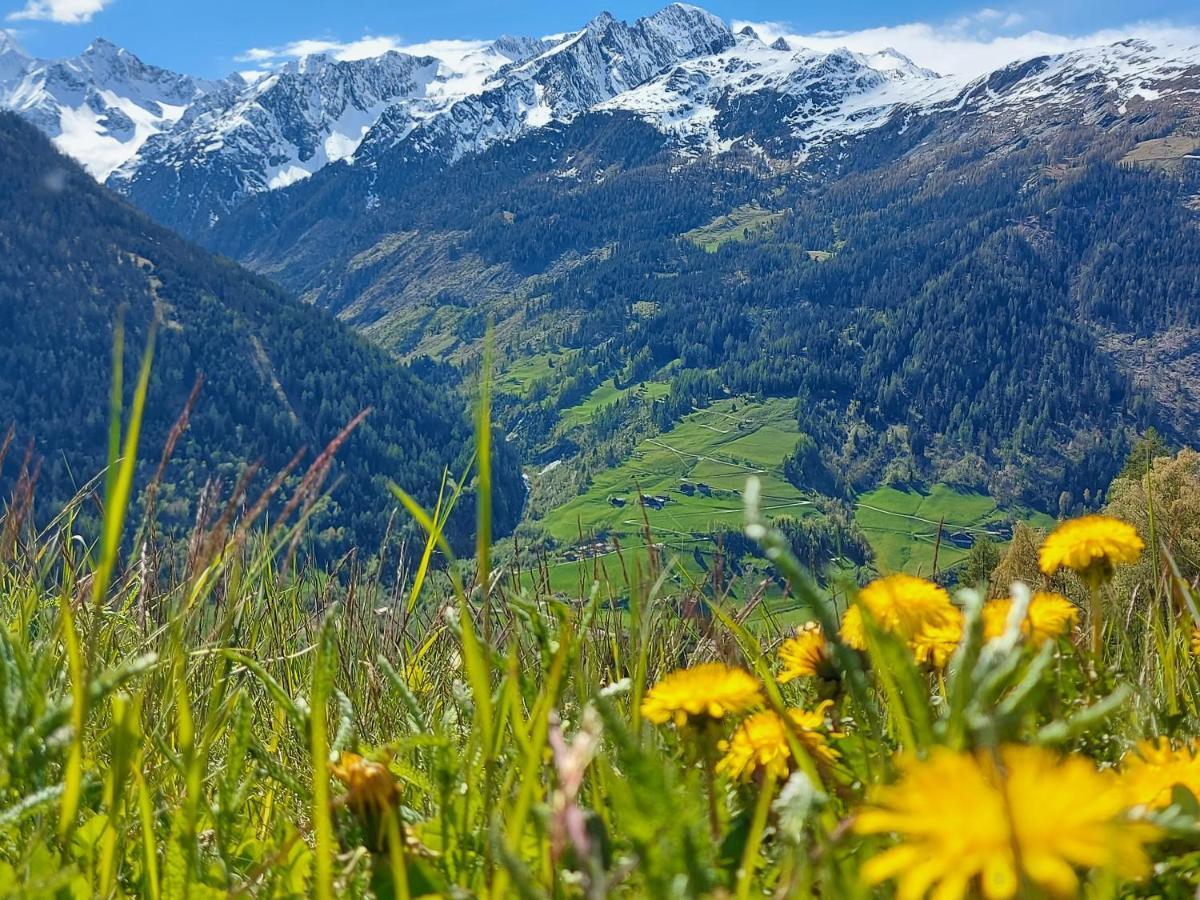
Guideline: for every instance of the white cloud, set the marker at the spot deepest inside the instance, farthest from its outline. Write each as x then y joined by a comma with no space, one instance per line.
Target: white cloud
444,49
363,48
66,12
971,45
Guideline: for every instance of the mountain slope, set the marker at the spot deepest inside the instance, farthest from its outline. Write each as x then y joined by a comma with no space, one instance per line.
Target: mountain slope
398,107
281,129
747,113
781,99
278,375
191,152
969,288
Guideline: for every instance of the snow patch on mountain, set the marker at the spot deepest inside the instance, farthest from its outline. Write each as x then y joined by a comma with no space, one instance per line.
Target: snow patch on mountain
14,61
315,111
279,130
1122,71
467,67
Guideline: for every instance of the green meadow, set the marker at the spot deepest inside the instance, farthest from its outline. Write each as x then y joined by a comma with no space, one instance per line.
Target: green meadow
605,395
736,225
692,478
903,525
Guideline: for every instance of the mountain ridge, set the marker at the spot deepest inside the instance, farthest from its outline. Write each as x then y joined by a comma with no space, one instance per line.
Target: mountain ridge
910,256
681,69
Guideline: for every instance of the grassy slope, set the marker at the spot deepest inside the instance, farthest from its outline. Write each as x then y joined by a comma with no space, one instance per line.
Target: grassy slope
606,394
902,525
519,376
219,751
733,226
718,447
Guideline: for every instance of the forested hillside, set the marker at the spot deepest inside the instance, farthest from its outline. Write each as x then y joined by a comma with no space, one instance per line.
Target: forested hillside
277,375
946,301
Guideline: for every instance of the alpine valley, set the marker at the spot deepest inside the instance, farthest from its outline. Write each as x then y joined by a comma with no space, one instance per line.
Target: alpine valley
911,303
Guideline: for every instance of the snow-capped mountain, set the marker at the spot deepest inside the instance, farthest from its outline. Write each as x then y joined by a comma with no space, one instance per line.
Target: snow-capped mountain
441,100
292,123
1116,74
99,107
765,94
234,143
190,151
604,59
14,62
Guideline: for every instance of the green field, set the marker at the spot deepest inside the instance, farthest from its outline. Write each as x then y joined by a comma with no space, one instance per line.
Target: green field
605,394
718,447
518,377
693,477
902,525
736,225
700,468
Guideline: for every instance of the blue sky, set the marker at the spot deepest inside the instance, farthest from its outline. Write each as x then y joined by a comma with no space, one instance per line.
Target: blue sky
211,38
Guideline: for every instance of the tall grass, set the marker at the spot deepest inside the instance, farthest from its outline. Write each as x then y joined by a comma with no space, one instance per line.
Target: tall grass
193,729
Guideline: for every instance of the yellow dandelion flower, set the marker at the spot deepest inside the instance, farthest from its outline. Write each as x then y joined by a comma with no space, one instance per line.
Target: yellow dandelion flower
805,655
1196,641
936,642
969,826
852,632
1067,813
1091,546
708,691
371,788
760,744
1154,768
900,604
1049,617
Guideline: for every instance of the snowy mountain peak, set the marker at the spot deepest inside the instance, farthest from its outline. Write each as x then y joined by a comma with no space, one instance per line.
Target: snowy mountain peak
102,48
892,60
190,151
754,94
684,26
584,68
309,64
13,60
280,130
1104,77
111,67
600,22
101,106
9,45
517,49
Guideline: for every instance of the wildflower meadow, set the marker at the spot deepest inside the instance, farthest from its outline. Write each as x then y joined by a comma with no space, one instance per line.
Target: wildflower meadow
229,721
